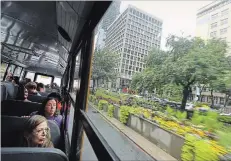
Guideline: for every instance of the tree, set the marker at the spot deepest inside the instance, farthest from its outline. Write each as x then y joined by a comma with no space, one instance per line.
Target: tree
222,84
104,65
190,61
202,62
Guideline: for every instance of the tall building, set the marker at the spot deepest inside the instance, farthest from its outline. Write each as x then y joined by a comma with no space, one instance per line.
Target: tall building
133,34
214,20
111,14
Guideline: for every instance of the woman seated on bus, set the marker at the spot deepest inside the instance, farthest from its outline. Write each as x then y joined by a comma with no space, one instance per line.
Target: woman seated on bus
58,99
37,133
22,94
31,87
49,110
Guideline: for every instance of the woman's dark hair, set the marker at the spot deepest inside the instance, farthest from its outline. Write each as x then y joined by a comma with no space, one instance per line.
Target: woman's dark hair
42,108
21,92
16,80
40,85
55,95
31,85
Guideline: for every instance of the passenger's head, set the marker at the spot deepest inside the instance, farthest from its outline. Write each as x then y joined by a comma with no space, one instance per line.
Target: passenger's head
31,87
40,87
55,95
37,132
9,77
16,80
49,107
22,92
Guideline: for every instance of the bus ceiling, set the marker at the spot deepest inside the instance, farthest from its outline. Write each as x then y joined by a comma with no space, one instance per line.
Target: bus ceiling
41,34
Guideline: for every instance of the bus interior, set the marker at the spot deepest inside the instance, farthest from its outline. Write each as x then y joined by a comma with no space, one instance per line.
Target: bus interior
50,42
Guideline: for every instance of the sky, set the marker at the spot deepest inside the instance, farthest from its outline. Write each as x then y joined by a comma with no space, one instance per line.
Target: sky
178,16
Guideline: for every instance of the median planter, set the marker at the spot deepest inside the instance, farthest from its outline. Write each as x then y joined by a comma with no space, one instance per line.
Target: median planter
105,108
116,112
166,140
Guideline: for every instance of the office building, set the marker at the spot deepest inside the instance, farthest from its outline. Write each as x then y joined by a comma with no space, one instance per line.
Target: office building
214,20
111,14
133,34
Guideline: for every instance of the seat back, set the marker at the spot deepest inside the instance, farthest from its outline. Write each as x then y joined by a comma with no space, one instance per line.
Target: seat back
55,133
35,98
13,128
43,94
18,108
35,154
3,92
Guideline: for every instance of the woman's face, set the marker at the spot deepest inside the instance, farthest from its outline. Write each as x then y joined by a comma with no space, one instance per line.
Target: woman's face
39,134
25,93
50,107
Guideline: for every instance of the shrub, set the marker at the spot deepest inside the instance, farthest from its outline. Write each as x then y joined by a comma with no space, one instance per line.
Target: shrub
170,111
224,138
101,94
197,118
101,104
225,119
181,115
110,110
124,113
197,149
188,148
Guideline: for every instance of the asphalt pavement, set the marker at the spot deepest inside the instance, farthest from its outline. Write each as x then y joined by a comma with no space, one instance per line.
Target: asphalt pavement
124,148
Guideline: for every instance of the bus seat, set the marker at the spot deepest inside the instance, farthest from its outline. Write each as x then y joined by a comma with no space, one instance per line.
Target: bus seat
35,154
18,108
55,133
43,94
11,130
35,98
3,93
13,127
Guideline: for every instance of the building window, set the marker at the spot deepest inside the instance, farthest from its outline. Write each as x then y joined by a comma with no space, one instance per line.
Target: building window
224,21
222,101
213,34
214,16
225,12
213,25
223,31
223,38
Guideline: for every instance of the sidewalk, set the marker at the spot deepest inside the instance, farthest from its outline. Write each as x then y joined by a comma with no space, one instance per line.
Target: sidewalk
138,139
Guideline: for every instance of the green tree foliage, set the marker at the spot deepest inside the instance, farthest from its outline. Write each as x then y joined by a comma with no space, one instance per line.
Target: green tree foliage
104,64
189,61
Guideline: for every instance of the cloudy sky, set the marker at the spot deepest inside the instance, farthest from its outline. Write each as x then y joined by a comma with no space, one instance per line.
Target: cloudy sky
178,16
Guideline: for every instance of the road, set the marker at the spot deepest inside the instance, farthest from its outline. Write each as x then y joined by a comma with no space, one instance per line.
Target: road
124,148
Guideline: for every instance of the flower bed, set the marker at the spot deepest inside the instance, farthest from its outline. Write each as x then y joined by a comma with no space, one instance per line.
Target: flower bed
203,127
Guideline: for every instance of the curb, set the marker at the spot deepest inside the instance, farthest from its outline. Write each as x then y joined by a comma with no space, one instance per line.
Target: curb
110,122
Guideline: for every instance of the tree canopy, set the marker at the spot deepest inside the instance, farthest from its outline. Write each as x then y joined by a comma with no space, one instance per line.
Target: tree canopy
189,61
104,65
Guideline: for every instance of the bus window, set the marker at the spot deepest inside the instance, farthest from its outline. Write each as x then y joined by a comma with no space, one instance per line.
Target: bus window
43,79
57,81
30,75
11,69
17,71
3,69
76,83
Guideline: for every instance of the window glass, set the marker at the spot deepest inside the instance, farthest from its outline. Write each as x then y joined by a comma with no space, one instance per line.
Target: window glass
43,79
76,83
3,69
30,75
57,80
11,69
17,71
